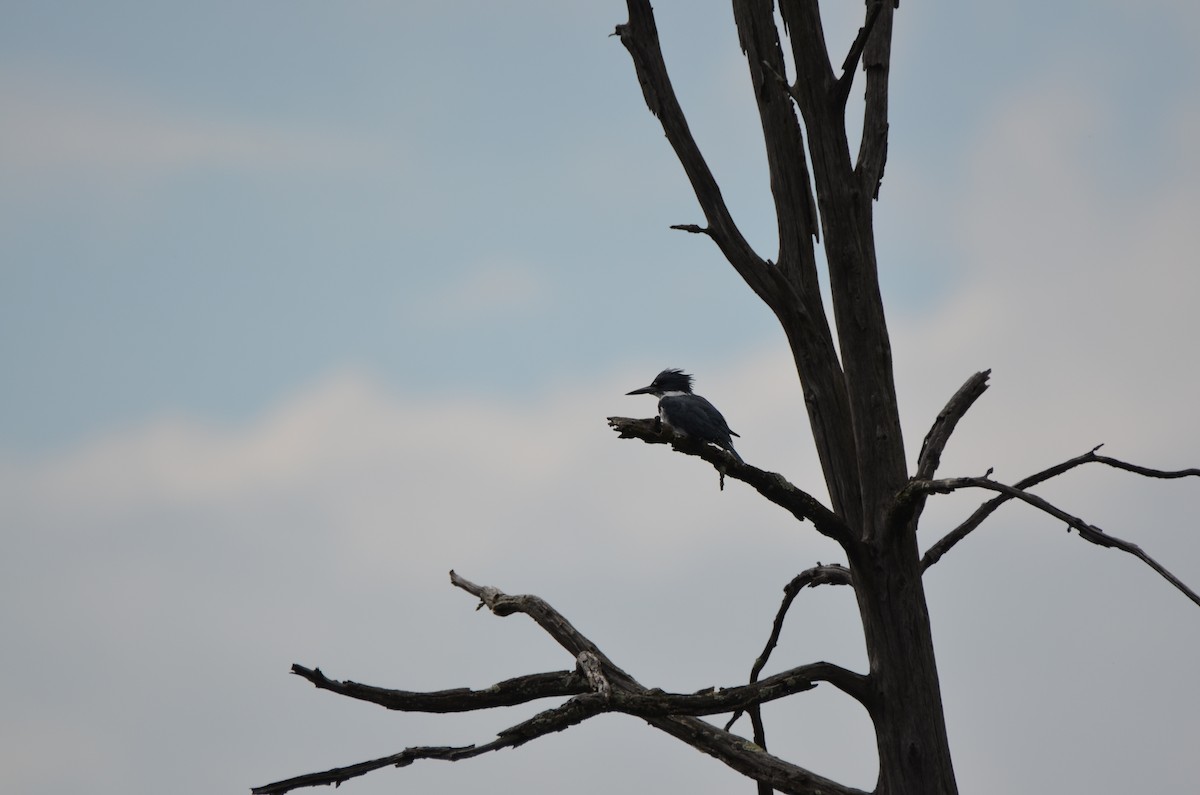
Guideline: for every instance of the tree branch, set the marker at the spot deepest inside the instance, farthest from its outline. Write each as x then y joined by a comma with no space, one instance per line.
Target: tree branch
791,185
771,485
750,759
1144,471
749,698
608,689
546,617
640,37
694,229
662,710
947,542
656,703
832,574
549,721
877,57
630,697
518,690
850,683
849,65
1087,532
939,434
523,689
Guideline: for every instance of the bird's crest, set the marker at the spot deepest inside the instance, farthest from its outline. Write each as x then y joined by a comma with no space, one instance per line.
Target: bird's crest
673,380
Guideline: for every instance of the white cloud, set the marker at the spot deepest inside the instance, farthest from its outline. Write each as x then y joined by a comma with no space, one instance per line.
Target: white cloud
179,552
182,555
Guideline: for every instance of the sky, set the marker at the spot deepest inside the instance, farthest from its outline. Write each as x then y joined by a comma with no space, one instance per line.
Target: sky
304,304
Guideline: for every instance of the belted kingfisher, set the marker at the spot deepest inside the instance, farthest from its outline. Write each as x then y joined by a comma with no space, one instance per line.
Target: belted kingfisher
687,413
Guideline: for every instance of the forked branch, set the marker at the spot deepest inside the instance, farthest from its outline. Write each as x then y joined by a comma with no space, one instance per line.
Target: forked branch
1087,532
947,542
546,617
520,690
598,686
731,749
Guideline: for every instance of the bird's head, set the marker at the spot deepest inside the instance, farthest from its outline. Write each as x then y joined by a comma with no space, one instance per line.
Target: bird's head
671,381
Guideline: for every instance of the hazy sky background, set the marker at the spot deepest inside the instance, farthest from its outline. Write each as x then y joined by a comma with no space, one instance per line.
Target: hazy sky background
303,304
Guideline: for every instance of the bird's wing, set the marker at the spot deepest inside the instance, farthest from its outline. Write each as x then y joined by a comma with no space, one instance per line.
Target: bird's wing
715,416
694,412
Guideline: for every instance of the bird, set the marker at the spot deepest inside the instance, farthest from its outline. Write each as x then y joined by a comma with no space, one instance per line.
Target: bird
686,412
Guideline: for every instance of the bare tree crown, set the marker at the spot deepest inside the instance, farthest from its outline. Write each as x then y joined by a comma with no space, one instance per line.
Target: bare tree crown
824,194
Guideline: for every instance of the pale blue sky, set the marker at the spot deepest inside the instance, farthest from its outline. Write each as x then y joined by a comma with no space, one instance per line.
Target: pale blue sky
304,303
208,206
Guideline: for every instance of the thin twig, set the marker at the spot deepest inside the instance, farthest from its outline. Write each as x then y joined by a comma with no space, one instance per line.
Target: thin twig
1145,471
760,739
694,229
832,574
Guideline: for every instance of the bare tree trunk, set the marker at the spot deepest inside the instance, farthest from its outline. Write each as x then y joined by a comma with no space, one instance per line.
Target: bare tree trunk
851,398
905,701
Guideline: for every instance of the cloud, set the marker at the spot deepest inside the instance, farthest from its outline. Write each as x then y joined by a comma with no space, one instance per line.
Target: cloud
199,560
178,553
1077,280
72,130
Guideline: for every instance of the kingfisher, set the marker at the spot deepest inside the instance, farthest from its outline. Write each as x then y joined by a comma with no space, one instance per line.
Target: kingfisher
688,413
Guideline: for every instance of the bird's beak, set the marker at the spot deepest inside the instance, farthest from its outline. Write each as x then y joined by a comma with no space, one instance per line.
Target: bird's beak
643,391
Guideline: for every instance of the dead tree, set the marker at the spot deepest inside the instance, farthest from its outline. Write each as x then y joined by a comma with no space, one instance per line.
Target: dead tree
826,196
